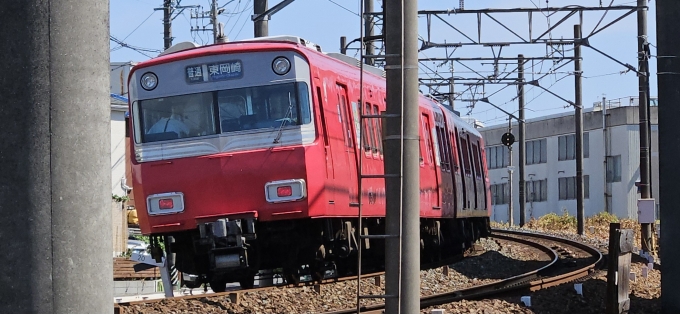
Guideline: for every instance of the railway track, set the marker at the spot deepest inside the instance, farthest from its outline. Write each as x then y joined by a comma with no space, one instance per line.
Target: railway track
569,261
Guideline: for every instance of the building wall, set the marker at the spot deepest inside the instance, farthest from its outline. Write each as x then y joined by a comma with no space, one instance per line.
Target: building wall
622,138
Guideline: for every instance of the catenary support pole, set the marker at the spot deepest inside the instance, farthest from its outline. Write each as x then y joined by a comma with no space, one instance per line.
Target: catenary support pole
402,138
167,24
668,67
261,26
578,120
643,104
55,183
522,142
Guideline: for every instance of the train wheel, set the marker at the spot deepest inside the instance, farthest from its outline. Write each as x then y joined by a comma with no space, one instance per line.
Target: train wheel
247,282
218,284
292,276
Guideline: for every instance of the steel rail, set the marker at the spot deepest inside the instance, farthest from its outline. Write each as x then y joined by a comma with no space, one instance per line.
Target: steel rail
531,281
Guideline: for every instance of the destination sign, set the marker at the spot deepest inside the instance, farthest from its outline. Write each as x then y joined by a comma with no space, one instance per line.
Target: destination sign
212,72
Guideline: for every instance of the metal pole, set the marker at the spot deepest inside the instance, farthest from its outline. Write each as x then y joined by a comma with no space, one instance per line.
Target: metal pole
343,45
55,158
511,212
167,24
578,119
605,135
262,26
643,80
668,67
393,153
369,29
522,141
451,90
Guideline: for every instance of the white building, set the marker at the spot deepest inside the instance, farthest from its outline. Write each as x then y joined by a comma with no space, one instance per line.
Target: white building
611,149
119,165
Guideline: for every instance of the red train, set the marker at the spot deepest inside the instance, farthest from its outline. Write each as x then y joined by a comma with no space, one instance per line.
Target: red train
245,155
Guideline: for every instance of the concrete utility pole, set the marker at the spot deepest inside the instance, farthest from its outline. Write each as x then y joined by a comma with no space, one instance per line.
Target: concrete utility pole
668,67
401,156
578,120
522,142
369,27
55,231
167,24
261,26
643,105
213,21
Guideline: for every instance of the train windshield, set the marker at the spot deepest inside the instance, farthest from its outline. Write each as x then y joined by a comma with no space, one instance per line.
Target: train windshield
233,110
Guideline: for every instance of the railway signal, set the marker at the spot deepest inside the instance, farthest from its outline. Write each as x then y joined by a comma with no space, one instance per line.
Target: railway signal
508,139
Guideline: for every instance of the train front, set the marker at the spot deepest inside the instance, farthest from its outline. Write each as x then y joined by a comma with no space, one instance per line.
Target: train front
219,135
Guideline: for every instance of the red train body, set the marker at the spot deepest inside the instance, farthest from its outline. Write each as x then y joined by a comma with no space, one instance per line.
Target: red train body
263,174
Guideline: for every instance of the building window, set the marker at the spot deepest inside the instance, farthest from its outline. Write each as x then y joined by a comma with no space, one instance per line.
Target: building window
537,190
567,146
500,194
614,169
497,157
568,188
536,152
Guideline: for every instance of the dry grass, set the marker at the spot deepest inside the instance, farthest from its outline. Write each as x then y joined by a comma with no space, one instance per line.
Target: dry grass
596,226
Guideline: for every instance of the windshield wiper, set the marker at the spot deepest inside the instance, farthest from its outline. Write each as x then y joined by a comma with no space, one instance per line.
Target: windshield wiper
289,113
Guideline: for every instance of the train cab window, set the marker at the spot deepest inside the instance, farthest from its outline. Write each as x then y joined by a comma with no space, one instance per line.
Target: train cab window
175,117
263,107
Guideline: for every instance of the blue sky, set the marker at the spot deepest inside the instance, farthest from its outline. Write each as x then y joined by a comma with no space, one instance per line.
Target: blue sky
323,21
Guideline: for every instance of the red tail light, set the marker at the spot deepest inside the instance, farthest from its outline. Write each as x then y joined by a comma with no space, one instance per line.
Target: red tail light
166,203
283,191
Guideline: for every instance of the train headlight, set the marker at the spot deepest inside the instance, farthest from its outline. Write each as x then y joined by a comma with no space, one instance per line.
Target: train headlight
285,190
281,65
149,81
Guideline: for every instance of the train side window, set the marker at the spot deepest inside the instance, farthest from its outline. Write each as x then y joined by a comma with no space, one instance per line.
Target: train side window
371,130
367,131
377,123
465,151
345,121
427,138
477,159
322,114
452,137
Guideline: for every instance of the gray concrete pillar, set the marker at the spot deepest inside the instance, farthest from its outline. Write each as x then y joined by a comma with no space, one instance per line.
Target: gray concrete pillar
55,196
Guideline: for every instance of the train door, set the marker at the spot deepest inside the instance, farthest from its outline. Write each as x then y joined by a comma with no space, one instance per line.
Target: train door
345,112
468,179
479,178
428,173
445,167
324,125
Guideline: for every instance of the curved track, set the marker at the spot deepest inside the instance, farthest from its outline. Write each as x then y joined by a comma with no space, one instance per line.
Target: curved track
567,255
569,260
